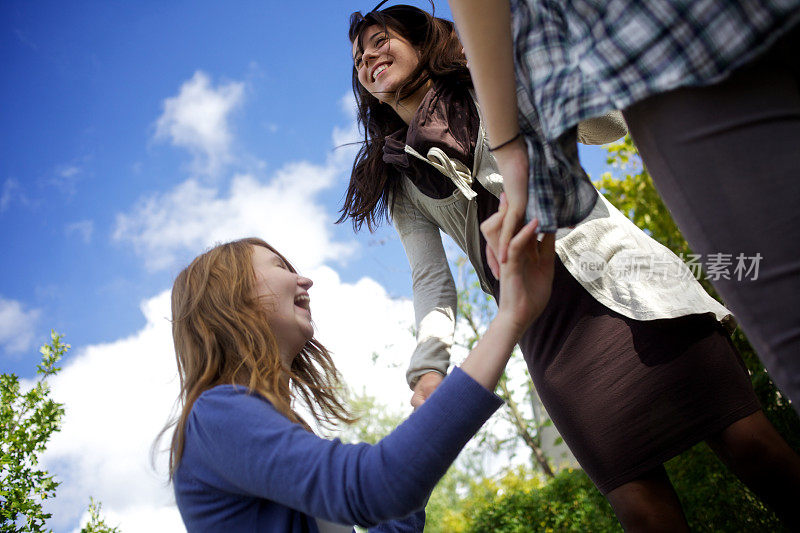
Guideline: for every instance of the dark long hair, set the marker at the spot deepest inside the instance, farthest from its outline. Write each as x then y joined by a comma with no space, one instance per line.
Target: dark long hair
373,182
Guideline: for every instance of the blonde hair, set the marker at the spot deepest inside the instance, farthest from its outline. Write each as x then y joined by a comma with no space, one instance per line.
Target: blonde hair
222,336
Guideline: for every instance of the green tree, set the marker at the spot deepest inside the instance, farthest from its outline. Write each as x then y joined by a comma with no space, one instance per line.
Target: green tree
27,421
96,522
375,420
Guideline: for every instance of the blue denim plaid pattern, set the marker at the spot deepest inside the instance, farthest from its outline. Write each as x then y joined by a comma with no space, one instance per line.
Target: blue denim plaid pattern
578,59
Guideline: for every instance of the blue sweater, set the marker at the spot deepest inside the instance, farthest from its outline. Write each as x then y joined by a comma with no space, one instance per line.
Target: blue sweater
246,467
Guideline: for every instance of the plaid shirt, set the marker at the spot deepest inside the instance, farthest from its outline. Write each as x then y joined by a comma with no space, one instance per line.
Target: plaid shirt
578,59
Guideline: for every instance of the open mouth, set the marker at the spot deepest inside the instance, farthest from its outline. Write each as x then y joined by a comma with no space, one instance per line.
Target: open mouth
379,70
303,300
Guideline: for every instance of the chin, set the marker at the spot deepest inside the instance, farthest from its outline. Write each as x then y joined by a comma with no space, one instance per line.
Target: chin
309,334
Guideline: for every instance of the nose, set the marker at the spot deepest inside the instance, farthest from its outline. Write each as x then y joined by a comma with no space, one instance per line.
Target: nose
304,282
369,55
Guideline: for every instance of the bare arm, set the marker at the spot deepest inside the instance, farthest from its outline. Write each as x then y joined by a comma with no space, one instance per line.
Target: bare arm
484,27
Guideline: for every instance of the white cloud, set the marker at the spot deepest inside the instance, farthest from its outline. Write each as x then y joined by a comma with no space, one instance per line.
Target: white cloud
357,321
11,191
17,326
198,119
192,216
118,396
282,208
350,134
83,228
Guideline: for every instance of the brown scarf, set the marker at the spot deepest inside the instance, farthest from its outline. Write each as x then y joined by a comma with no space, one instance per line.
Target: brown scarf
446,119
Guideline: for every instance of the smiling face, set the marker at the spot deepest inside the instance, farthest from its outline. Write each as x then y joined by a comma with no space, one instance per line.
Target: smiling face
286,301
385,63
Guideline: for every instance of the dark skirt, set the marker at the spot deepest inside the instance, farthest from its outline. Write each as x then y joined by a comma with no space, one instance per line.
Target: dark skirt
627,395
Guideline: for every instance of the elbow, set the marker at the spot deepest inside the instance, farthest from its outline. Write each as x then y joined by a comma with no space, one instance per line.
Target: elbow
396,507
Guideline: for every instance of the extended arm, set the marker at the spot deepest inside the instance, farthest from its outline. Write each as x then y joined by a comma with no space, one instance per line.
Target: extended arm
434,294
244,446
484,27
485,30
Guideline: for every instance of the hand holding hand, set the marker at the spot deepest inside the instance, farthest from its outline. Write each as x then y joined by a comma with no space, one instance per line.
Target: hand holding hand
526,278
425,386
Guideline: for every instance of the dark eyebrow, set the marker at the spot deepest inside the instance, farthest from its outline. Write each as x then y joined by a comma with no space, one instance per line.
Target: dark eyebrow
360,49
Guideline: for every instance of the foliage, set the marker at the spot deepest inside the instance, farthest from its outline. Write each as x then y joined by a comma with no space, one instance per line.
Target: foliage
27,421
713,499
96,523
519,503
375,420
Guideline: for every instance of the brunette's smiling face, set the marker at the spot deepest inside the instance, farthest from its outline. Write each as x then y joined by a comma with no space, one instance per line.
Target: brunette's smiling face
286,301
385,63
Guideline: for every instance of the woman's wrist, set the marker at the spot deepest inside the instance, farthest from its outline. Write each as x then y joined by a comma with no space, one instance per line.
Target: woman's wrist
511,139
508,325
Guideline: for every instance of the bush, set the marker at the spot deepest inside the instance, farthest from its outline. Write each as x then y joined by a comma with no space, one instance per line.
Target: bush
712,498
569,502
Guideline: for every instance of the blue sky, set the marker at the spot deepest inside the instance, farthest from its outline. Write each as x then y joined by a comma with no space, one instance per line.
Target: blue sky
83,87
134,136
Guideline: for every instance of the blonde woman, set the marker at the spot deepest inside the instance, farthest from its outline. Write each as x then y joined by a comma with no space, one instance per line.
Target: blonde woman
241,457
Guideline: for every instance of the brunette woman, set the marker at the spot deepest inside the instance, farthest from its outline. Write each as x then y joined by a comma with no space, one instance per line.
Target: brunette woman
243,459
629,357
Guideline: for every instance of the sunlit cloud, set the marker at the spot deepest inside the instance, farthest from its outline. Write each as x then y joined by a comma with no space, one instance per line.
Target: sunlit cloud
82,228
17,326
198,119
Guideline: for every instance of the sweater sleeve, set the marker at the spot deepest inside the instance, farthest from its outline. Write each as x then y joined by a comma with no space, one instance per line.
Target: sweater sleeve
413,523
433,287
253,450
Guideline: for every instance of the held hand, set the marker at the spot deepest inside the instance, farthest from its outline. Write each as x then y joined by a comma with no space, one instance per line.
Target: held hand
526,278
512,163
425,386
491,228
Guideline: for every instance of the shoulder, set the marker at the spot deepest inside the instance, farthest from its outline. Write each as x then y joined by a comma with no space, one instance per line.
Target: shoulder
224,405
228,394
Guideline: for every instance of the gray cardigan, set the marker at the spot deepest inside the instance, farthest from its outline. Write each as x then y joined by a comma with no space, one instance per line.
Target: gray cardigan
617,263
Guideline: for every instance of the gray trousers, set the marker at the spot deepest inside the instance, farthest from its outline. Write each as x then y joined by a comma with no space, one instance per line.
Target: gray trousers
726,160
